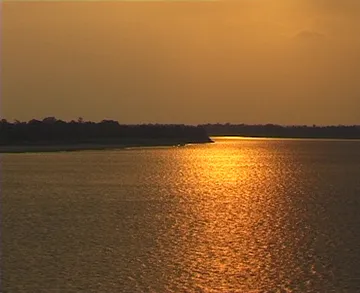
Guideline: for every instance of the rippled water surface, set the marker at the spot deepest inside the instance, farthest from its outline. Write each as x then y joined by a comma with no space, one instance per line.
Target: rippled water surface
240,215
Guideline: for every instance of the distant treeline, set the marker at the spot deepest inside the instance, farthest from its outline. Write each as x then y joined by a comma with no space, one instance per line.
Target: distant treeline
272,130
53,131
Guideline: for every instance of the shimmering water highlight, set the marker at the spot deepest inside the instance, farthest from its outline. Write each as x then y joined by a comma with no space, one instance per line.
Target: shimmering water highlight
249,215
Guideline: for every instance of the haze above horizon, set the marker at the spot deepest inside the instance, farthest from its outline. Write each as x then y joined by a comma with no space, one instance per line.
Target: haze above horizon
264,61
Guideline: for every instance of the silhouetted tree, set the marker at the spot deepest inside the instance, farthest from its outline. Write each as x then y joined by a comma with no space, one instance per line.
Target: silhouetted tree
51,130
272,130
49,120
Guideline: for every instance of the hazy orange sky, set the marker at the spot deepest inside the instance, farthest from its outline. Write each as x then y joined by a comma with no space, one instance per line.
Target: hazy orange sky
244,61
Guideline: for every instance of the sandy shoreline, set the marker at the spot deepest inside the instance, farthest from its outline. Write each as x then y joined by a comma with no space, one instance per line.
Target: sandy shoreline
11,149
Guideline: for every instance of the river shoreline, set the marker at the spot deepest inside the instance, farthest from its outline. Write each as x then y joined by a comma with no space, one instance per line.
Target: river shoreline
48,148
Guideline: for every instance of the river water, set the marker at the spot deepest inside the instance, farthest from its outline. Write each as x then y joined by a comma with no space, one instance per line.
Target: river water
239,215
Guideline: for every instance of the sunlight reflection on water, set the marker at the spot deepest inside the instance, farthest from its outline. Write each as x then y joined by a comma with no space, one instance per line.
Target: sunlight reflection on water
234,216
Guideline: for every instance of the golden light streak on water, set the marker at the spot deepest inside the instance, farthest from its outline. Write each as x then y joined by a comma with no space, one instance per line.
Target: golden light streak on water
240,215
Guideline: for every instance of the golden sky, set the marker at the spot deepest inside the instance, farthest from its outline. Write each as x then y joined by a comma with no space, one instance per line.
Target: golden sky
245,61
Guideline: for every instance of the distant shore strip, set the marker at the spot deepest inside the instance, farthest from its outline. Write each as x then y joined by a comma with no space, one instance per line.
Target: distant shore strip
13,149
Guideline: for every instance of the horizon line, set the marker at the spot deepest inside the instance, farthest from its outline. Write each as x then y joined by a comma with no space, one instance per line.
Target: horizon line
14,121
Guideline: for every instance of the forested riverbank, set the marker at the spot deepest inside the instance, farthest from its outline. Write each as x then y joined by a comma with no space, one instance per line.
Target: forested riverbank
51,134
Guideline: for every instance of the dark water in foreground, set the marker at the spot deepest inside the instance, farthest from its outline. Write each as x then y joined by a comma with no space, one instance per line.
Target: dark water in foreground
234,216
